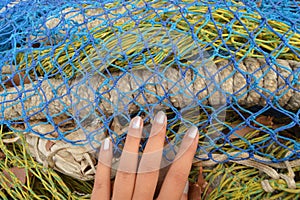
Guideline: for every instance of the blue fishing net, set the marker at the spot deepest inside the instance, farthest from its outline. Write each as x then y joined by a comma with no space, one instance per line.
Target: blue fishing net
231,68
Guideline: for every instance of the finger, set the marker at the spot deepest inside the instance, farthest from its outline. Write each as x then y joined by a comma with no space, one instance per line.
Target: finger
101,189
125,177
180,169
149,166
185,191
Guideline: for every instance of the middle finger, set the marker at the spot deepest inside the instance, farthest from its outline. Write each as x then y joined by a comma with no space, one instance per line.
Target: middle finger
148,171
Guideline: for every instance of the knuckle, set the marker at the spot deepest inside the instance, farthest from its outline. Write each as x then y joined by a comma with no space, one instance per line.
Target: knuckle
99,184
124,176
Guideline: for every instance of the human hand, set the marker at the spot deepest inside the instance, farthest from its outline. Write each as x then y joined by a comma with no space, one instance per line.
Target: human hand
139,180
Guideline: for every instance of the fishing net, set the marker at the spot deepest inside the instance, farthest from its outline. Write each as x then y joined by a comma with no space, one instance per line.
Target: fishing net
75,72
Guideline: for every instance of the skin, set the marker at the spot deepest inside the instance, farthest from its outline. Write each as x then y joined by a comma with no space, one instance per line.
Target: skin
138,180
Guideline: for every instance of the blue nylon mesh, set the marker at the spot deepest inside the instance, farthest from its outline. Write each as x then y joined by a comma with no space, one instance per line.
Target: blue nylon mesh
96,65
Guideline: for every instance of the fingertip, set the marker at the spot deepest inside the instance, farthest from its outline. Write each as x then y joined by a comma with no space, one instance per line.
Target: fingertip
106,144
191,135
136,122
105,153
159,124
190,141
192,132
160,118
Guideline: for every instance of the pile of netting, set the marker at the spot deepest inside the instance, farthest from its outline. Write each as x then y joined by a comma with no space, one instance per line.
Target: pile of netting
75,72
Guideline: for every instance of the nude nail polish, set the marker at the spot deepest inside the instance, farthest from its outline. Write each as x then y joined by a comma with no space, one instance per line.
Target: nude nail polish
106,144
192,132
160,117
136,122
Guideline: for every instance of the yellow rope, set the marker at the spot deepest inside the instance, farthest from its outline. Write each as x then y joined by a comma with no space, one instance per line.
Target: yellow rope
205,30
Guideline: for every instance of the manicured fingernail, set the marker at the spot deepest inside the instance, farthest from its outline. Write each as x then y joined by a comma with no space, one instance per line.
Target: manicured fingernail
136,122
192,132
106,144
186,188
160,117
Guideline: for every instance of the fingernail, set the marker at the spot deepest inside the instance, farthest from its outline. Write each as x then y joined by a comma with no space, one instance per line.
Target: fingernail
106,144
186,188
160,117
136,122
192,132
